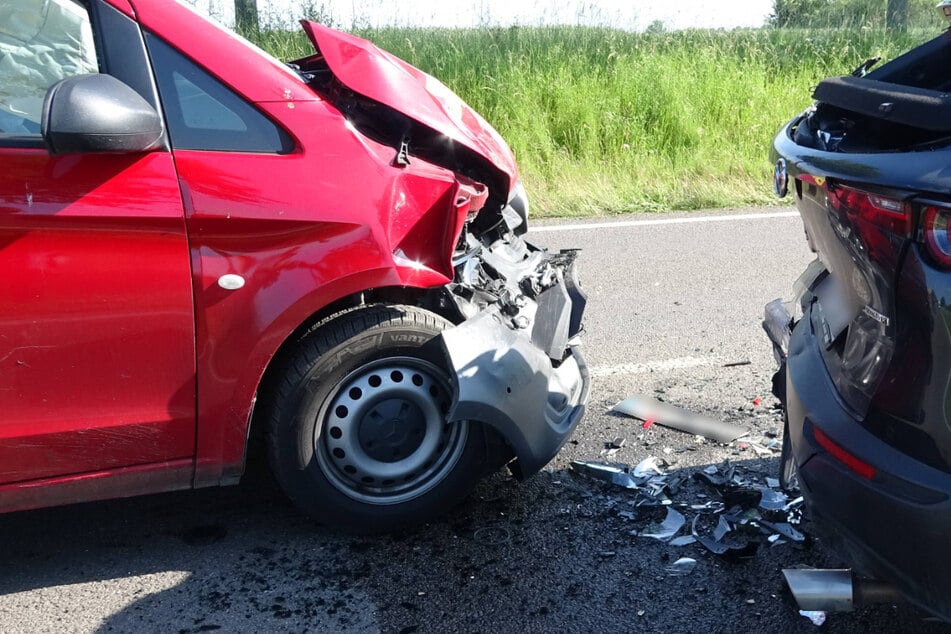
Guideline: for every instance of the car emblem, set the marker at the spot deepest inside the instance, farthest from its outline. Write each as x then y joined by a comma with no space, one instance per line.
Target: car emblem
780,179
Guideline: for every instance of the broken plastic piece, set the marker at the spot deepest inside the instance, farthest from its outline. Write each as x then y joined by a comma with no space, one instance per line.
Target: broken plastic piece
786,530
723,527
613,473
682,567
649,409
648,424
683,540
647,467
668,528
739,551
817,618
772,500
757,402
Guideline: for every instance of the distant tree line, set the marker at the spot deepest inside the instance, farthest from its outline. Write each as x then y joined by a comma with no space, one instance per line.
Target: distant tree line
891,14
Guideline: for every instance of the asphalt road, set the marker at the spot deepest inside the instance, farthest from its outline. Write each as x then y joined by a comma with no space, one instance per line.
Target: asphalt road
673,307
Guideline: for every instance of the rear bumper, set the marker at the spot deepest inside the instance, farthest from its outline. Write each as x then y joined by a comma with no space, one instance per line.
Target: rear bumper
895,525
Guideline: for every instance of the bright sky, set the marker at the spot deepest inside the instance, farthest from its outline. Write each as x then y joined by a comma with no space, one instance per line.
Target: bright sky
624,14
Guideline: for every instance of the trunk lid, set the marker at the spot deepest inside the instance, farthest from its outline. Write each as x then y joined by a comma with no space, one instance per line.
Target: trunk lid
373,73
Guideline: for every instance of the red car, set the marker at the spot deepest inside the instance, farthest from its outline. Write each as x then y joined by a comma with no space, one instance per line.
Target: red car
200,245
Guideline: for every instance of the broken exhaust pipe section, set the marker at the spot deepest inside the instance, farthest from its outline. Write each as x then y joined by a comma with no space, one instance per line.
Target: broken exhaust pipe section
817,590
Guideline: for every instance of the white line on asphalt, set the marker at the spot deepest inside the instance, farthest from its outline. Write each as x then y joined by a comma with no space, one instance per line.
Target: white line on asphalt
667,365
663,221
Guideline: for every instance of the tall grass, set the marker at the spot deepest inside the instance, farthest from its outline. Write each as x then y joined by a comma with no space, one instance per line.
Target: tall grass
606,121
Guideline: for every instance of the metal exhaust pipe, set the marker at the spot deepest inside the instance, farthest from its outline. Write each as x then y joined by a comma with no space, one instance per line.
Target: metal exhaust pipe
837,590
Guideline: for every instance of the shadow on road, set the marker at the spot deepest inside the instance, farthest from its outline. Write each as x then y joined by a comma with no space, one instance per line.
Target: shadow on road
551,554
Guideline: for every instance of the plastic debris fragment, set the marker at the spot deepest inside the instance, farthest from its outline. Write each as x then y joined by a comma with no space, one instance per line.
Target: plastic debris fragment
666,530
732,550
786,530
723,527
683,540
772,500
682,567
649,409
608,472
647,467
817,618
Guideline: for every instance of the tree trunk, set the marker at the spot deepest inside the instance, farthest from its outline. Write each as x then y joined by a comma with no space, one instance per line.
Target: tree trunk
896,15
246,16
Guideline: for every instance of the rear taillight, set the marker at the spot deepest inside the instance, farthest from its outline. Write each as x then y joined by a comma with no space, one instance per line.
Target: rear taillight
890,214
936,226
860,467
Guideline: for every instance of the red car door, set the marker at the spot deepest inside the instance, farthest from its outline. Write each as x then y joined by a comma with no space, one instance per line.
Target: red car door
97,335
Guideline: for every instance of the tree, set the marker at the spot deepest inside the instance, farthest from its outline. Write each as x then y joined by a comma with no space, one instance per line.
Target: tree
246,16
896,15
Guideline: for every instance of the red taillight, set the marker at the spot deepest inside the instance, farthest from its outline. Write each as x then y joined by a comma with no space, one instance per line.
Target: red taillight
937,233
864,469
888,213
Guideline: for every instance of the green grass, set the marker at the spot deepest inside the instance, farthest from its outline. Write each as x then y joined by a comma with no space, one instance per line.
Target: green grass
608,122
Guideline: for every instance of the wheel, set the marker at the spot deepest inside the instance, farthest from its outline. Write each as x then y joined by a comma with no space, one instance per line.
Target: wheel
788,473
358,434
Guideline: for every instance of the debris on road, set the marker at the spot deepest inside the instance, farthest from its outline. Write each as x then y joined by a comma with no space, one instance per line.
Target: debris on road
666,530
682,567
742,514
817,618
737,364
651,410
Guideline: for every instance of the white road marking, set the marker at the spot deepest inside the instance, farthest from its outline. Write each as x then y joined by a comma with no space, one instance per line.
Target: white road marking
663,221
667,365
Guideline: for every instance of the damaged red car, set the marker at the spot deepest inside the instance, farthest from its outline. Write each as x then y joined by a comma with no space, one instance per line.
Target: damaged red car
203,248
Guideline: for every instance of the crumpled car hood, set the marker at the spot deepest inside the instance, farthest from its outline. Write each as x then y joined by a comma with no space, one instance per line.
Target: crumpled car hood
372,72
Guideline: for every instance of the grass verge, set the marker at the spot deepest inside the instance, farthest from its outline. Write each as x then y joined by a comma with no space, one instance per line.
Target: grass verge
606,121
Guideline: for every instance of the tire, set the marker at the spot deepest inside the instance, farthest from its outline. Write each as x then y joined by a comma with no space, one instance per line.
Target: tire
358,436
788,472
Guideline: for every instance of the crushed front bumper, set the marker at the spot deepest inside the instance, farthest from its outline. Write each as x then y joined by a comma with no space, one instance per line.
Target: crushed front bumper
516,363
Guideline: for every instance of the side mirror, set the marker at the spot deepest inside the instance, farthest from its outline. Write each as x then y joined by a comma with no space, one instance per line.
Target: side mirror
98,113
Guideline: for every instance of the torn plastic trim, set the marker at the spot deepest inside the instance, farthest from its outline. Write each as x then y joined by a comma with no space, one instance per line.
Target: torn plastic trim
501,378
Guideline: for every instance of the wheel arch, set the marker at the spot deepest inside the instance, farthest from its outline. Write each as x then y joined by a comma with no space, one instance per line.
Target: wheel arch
254,432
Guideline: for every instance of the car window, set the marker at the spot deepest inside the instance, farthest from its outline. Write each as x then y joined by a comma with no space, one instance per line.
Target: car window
41,42
204,114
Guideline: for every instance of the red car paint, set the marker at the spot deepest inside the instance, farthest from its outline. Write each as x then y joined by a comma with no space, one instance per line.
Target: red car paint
376,74
126,368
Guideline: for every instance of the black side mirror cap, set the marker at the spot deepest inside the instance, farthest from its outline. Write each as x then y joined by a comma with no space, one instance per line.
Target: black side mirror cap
98,113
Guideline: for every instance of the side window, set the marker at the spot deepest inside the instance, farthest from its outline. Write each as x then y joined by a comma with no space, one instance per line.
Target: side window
41,42
204,114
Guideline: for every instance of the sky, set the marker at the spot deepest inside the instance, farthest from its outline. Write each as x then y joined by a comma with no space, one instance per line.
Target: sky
634,15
